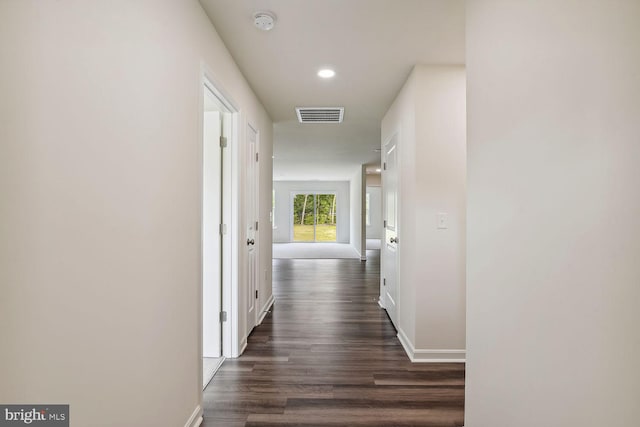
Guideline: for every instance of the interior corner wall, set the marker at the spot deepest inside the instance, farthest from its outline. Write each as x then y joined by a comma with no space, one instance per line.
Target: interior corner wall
283,216
374,229
100,176
441,156
429,117
373,180
355,211
554,213
400,119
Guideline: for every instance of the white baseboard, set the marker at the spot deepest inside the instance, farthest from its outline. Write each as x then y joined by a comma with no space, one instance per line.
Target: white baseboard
430,355
195,419
380,303
263,313
265,309
215,369
243,346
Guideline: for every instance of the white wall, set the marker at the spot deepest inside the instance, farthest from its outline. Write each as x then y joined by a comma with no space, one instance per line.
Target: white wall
429,115
373,180
374,229
284,209
100,177
554,213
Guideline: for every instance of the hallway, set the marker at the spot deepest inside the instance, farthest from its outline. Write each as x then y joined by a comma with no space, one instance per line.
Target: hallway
328,355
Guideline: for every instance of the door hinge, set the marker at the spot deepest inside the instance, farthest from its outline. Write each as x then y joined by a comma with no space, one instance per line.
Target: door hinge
256,294
223,316
223,141
223,229
384,281
256,157
384,166
384,223
256,225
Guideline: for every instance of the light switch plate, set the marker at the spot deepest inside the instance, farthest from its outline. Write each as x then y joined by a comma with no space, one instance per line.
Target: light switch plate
443,220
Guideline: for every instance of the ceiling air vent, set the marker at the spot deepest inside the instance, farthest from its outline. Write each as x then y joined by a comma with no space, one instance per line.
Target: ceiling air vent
320,114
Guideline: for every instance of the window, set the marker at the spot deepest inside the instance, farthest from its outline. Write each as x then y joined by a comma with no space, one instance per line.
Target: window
314,217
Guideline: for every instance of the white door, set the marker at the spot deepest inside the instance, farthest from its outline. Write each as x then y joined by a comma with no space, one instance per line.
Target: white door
390,234
211,239
251,205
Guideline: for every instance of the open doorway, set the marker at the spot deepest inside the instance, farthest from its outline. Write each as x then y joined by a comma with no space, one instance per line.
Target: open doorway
217,126
373,209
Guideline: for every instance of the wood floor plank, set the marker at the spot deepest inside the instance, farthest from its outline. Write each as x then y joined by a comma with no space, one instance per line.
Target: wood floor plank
423,418
327,355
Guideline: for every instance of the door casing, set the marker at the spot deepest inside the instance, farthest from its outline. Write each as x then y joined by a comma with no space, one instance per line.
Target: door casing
229,226
252,209
389,279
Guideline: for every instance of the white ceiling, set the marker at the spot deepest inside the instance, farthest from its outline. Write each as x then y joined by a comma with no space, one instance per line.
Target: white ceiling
371,44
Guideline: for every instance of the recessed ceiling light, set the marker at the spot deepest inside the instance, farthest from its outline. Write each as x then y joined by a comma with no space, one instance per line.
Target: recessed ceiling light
264,21
326,73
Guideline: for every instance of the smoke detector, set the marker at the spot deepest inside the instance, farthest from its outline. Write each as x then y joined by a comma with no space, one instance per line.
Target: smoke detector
264,21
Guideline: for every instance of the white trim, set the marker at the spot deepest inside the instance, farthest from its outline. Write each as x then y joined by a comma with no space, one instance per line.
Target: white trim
430,355
265,309
215,370
195,419
384,258
230,330
380,302
200,324
230,293
252,321
243,346
217,88
406,343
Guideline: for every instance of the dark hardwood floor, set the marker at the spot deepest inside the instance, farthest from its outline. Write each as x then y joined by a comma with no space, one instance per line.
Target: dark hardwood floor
327,355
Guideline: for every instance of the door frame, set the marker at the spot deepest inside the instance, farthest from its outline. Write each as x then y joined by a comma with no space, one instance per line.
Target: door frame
218,120
230,209
252,321
382,300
